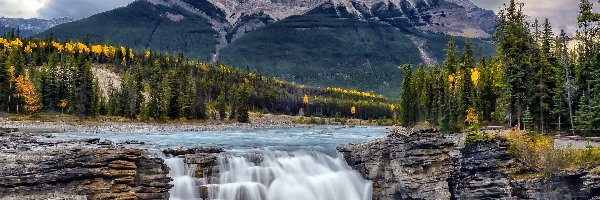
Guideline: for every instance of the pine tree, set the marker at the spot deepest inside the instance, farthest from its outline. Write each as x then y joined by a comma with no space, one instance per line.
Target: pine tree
594,106
543,64
155,104
221,102
584,116
407,106
464,89
514,45
174,97
561,100
84,87
419,82
243,103
450,63
199,104
527,120
4,81
136,90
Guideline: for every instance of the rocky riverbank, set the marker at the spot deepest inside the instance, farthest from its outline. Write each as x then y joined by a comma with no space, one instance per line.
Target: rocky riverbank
56,124
429,165
405,165
111,126
30,169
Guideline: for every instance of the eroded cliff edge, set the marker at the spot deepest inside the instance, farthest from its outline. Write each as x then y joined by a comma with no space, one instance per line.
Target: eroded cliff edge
34,169
429,165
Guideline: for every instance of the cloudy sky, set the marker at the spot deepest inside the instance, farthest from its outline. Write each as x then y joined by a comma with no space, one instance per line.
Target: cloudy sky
562,13
57,8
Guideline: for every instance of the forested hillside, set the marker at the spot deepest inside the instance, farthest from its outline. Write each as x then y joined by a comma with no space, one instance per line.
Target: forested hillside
329,44
536,82
51,76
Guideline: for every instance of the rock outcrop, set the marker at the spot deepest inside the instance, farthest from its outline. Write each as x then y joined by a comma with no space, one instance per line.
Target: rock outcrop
483,171
30,169
477,172
430,165
415,166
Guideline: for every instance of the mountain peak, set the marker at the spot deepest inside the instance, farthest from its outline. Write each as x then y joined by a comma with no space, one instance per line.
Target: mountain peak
33,25
454,17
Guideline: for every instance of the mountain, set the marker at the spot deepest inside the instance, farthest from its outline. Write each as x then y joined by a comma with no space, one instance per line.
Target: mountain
354,44
31,26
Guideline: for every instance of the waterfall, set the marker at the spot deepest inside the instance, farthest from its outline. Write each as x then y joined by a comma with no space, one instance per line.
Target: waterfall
184,187
301,175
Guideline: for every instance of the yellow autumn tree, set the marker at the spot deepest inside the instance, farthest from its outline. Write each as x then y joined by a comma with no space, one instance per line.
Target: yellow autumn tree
63,104
59,47
305,99
28,49
131,54
475,76
97,50
26,90
471,116
17,43
42,44
70,47
123,54
353,110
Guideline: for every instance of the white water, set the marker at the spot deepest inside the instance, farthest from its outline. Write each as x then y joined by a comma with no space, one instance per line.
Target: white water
288,176
183,183
273,174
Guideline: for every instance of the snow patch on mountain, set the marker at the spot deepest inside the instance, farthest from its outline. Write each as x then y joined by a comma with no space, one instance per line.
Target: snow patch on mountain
34,25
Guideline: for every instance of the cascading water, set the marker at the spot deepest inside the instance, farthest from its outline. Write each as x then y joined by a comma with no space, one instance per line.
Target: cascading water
260,175
184,187
288,176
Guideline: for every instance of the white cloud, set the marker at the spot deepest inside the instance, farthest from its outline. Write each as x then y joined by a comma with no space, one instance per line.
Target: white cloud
79,8
561,13
21,8
57,8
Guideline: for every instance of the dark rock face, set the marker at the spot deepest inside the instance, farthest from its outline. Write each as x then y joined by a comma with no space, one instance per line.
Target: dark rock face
567,186
37,170
429,165
410,167
477,172
196,150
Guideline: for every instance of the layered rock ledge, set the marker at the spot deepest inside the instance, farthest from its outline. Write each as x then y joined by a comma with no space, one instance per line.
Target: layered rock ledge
30,169
430,165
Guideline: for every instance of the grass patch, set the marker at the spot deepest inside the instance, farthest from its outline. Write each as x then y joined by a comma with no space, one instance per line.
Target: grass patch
538,152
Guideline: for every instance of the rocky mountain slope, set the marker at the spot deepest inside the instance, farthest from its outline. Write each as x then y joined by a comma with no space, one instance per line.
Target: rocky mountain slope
342,43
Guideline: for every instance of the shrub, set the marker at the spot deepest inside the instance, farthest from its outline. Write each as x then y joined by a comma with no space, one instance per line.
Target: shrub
537,151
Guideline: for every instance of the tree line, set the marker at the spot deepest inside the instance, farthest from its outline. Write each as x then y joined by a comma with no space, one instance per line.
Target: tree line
537,80
45,75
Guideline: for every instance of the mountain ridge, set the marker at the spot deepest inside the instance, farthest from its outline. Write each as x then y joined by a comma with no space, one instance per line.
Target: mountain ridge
337,43
32,26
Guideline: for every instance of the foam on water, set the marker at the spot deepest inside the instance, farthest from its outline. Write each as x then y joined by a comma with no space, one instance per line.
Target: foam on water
300,175
183,183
